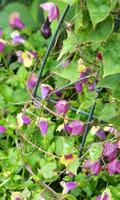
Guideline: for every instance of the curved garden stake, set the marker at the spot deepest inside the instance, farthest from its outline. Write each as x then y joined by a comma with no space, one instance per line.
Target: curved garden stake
49,49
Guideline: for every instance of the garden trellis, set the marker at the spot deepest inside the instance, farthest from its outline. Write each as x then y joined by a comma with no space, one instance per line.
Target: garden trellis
90,115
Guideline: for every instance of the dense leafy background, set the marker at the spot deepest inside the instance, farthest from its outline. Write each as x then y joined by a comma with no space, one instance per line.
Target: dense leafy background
28,160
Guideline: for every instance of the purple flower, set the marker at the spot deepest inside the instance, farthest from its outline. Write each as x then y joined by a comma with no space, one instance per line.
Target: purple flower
2,46
53,13
45,90
101,134
26,119
46,30
110,150
15,22
43,126
75,128
84,74
65,63
98,197
2,129
58,93
87,164
96,167
31,83
79,87
62,106
34,53
91,87
18,40
19,55
52,9
1,33
68,186
113,167
18,198
105,197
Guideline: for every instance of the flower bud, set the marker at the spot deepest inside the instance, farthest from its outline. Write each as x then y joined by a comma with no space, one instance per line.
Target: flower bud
43,126
62,106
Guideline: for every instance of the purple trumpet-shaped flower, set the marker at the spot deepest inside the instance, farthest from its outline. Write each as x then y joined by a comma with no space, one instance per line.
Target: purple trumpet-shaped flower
22,120
52,9
75,128
110,150
2,46
2,129
43,126
45,90
105,197
31,83
53,13
26,119
84,74
58,93
68,186
79,87
15,21
101,134
91,87
87,164
98,197
16,38
96,167
62,106
34,53
46,30
113,167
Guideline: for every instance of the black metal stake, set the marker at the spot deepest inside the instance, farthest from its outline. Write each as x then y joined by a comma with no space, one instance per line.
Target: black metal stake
48,50
87,128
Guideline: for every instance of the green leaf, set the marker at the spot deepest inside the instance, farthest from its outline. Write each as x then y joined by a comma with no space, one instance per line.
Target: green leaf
111,56
95,151
99,10
116,93
64,145
108,112
70,72
115,191
70,2
69,197
48,171
110,81
101,32
69,45
73,166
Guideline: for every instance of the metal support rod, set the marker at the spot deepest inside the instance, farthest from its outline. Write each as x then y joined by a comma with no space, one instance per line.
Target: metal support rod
71,107
48,50
87,128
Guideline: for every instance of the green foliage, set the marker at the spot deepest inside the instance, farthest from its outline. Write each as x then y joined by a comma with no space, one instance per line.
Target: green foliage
33,165
99,10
